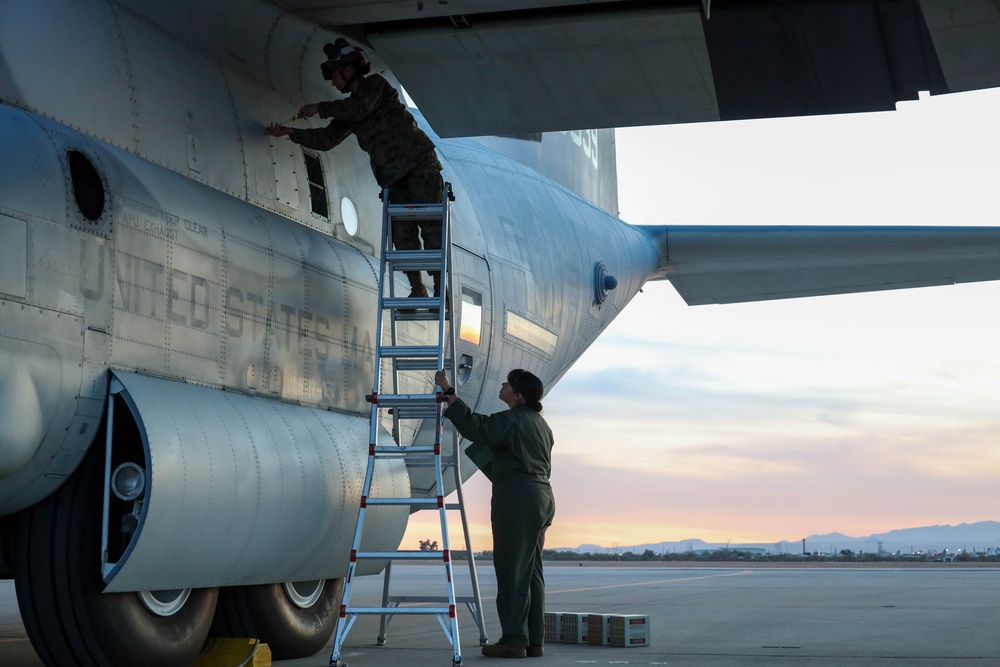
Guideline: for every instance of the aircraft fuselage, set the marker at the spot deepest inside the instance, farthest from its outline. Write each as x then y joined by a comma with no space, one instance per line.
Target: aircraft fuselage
154,228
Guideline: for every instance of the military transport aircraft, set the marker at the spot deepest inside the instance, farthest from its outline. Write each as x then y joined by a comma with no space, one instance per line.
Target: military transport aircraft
187,306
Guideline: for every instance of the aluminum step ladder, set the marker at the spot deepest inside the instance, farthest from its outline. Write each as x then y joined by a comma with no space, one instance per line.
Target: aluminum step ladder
403,406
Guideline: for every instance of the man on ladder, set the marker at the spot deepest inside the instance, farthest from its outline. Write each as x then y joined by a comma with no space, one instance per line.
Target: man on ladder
396,356
405,164
402,156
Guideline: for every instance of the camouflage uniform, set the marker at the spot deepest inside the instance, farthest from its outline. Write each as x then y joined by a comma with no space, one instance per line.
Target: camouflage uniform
402,156
522,507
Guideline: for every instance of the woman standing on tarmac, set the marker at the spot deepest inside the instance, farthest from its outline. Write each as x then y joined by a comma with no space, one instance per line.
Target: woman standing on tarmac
520,444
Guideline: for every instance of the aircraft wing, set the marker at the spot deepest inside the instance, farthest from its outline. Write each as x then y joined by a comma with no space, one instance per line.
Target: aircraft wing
478,67
732,264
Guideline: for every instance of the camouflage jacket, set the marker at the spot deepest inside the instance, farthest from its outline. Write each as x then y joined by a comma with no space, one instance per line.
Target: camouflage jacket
383,126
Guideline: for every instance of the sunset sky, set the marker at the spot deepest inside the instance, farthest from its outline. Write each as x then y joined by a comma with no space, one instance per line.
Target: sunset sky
774,421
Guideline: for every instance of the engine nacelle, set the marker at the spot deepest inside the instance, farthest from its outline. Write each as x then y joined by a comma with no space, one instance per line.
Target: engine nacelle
234,489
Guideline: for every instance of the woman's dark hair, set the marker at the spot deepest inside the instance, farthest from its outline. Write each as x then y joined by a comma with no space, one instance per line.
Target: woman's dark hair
528,386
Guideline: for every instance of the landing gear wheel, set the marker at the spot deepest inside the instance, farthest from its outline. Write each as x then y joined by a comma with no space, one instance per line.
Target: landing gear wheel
296,619
57,576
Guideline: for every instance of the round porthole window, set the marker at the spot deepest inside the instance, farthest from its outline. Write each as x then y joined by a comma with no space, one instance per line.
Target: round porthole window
349,214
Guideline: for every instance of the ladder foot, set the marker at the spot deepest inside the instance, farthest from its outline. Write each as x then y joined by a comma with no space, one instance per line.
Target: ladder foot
380,641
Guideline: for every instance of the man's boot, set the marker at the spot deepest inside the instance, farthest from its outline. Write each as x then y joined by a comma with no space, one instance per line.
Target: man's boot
436,276
417,290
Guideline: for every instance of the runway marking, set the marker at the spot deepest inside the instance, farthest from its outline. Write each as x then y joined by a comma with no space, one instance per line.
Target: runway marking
647,583
616,662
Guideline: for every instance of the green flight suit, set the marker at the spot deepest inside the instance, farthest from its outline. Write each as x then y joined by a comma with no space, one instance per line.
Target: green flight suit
520,443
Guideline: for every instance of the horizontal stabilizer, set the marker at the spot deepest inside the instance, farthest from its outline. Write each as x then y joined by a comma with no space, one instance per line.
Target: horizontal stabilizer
730,264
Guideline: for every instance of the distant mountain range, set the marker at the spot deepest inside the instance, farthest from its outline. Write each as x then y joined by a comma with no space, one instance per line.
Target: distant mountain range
979,536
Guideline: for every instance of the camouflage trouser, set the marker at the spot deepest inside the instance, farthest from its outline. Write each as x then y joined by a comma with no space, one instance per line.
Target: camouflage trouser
421,185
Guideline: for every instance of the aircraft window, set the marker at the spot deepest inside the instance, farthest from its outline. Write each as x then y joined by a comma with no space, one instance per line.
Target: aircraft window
88,189
349,214
471,327
317,185
528,332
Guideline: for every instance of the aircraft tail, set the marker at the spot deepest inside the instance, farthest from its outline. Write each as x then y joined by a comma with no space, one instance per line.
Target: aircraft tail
583,161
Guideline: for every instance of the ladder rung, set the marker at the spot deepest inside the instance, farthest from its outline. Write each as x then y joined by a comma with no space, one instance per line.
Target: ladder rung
407,400
445,467
414,413
414,264
414,260
417,364
421,316
416,211
397,255
409,352
407,303
389,611
429,598
403,555
412,449
429,502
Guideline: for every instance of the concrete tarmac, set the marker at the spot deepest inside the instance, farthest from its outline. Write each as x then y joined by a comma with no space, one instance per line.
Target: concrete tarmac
701,616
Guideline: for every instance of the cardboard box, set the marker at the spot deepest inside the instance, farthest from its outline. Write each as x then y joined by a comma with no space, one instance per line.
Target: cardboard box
573,628
597,629
553,626
628,631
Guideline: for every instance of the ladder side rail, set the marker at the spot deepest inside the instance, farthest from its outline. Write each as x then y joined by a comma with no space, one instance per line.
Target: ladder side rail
384,268
477,599
384,619
444,276
345,621
446,546
387,247
344,626
449,293
379,319
373,423
446,315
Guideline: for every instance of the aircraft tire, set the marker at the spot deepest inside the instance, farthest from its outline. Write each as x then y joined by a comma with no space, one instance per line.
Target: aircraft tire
267,612
57,578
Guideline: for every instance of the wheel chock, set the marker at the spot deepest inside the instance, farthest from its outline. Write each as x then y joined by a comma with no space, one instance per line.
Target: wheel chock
226,652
